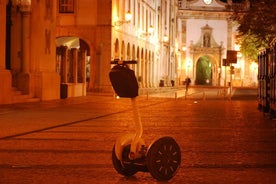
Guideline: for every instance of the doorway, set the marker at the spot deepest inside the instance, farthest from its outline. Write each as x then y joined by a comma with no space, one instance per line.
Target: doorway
73,65
204,71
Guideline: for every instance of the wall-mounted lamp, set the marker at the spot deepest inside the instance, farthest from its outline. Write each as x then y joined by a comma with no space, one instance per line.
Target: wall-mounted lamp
184,48
149,31
165,38
127,19
24,5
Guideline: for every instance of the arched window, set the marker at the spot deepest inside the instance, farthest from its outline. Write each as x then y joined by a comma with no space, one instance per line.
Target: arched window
123,51
117,49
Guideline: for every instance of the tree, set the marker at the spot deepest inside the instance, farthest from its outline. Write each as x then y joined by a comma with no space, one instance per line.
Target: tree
256,26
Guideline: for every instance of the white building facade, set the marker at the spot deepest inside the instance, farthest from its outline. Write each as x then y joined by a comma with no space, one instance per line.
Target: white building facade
148,38
205,34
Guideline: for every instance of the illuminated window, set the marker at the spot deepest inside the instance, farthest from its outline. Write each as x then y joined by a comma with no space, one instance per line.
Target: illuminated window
66,6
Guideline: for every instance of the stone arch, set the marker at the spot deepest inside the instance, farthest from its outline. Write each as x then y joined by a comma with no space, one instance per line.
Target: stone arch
142,60
204,70
116,49
133,53
73,66
123,51
128,52
153,69
138,57
146,68
134,57
150,68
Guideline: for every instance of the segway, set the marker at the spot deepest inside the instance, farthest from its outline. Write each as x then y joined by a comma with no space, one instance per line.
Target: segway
130,154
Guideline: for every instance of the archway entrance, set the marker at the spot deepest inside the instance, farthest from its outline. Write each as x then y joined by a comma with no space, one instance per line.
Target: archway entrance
73,65
204,71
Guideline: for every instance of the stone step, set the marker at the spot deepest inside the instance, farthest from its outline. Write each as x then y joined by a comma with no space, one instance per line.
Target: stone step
18,97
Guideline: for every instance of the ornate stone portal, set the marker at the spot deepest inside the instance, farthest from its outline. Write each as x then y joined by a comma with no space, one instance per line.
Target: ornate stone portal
207,51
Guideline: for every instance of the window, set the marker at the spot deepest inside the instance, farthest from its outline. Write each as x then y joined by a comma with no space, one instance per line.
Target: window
66,6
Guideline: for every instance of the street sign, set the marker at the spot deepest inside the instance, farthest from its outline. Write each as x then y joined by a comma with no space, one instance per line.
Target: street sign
231,56
225,63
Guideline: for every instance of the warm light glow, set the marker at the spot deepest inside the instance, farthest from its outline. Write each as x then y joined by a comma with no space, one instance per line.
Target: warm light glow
127,19
253,66
188,63
254,72
184,48
23,2
239,54
237,47
188,67
128,16
24,5
166,38
150,29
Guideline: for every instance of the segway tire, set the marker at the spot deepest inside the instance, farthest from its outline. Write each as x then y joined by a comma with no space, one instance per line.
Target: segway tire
123,169
163,158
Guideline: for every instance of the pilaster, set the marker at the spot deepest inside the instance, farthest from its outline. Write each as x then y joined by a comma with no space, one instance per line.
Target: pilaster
5,75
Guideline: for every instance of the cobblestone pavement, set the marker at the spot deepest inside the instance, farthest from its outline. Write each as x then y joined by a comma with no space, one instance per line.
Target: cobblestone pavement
70,141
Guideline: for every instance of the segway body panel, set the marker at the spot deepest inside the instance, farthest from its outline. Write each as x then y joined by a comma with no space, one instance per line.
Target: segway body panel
124,81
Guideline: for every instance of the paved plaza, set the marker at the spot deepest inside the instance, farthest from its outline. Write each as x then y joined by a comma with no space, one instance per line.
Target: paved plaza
70,141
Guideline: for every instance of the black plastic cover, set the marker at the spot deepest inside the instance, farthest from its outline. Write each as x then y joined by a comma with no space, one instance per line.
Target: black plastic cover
124,81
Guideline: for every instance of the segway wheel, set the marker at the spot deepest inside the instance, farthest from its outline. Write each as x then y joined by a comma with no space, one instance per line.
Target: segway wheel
127,169
163,158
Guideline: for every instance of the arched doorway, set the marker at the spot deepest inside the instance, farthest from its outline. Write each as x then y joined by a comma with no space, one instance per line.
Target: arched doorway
73,66
204,71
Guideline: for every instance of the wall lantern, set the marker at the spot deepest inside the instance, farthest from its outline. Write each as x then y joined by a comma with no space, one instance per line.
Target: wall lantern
24,5
165,38
128,17
184,48
149,31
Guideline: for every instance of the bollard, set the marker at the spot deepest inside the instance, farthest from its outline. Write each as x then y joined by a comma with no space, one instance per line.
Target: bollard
203,95
186,92
147,95
175,95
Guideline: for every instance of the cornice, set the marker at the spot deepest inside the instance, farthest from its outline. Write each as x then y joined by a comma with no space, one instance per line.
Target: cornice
192,14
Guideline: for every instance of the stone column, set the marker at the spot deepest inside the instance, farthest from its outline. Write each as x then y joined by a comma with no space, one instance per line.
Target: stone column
25,41
64,55
24,76
75,65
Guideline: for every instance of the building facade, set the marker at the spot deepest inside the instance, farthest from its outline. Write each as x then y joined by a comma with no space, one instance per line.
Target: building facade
205,34
64,48
148,38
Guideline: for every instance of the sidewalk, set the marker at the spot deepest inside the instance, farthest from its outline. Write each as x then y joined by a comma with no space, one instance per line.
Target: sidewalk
202,93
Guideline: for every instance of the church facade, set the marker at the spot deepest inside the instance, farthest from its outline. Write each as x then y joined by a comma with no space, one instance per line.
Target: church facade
205,34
